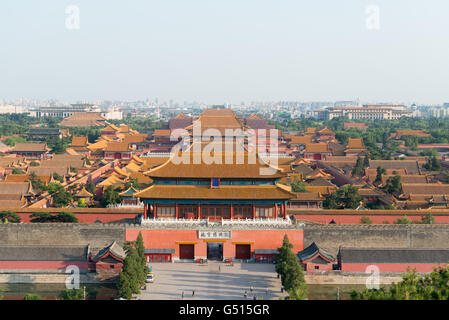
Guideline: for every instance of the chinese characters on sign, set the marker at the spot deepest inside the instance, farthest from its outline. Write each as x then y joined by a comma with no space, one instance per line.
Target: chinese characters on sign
214,234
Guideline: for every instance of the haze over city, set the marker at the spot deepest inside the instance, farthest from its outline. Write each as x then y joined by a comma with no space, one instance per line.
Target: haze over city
225,52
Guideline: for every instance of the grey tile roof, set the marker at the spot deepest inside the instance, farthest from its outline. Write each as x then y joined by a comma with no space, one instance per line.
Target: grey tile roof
411,166
43,253
393,255
304,169
313,250
321,182
114,248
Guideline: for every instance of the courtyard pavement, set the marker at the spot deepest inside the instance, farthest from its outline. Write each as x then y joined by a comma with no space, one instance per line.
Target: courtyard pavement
213,281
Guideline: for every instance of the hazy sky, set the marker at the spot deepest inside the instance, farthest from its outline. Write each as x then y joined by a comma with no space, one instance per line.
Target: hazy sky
225,51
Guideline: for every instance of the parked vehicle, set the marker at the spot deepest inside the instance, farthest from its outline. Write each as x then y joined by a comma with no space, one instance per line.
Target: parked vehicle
150,277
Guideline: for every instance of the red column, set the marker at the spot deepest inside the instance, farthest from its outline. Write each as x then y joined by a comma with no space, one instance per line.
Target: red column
232,212
285,211
254,211
177,211
199,211
154,211
145,208
275,211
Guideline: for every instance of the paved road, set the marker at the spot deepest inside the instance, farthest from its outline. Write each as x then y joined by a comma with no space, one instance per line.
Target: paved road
210,283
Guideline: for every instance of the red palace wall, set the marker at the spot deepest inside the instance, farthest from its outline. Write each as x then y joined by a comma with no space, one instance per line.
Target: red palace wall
321,267
375,218
84,215
259,239
388,267
90,217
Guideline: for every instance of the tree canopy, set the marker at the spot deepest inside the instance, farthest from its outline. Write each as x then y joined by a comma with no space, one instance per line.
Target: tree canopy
346,197
433,286
290,271
134,270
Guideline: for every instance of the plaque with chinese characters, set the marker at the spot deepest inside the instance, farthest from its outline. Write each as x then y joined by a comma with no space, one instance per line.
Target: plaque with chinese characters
214,234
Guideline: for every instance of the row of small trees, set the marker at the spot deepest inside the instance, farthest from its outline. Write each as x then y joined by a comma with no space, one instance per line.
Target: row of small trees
12,217
134,271
67,294
433,286
291,272
426,219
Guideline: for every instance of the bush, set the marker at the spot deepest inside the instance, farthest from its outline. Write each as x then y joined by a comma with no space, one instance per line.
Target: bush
32,296
298,186
403,220
58,177
81,203
427,219
66,217
9,216
365,220
45,217
40,217
17,171
34,164
433,286
72,294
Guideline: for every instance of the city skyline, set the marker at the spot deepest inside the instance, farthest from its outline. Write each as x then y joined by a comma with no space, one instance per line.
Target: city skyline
252,51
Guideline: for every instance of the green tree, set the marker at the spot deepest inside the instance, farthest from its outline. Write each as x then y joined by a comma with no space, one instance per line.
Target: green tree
402,220
282,255
38,217
54,187
393,185
133,275
86,159
290,271
9,216
432,164
298,186
124,285
34,164
90,186
11,141
17,171
67,217
366,162
358,170
61,198
433,286
427,219
32,296
366,220
132,183
73,169
58,177
110,196
380,171
331,201
81,203
38,184
346,196
72,294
